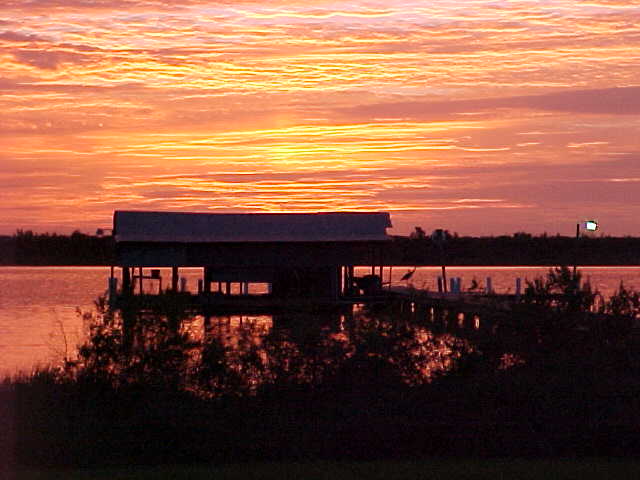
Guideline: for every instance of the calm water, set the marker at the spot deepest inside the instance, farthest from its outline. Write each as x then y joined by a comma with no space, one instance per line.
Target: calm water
39,322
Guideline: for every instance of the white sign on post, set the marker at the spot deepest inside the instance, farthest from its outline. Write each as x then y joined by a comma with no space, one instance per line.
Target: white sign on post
591,225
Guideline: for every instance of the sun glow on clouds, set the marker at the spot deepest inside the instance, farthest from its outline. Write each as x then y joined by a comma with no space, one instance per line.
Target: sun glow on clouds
466,115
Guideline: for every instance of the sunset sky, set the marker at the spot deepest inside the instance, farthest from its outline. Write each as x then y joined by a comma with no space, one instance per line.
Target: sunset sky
481,117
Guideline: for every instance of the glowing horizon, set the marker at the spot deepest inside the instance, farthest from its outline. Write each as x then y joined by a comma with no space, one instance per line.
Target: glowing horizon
477,117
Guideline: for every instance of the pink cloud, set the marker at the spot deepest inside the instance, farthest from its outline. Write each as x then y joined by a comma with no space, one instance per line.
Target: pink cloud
18,37
608,101
48,59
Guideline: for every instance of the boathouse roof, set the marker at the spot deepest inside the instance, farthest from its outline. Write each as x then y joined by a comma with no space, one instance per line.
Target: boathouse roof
178,227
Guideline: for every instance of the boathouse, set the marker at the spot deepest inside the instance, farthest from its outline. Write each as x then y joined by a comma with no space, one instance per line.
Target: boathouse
310,255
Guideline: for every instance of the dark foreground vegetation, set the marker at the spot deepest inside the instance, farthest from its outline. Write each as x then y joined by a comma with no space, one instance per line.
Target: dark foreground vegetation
28,248
559,376
432,469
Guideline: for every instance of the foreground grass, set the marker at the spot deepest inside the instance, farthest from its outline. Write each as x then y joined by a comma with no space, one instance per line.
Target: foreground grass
583,469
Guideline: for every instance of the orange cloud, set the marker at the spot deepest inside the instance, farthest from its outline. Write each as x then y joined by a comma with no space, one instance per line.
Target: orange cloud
463,115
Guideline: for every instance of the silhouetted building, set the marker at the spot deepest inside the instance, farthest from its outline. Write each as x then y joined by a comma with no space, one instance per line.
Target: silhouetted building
297,255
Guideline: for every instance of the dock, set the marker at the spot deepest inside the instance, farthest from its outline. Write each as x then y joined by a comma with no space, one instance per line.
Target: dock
398,300
306,263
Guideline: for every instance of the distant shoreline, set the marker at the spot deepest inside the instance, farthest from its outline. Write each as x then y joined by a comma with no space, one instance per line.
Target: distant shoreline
520,249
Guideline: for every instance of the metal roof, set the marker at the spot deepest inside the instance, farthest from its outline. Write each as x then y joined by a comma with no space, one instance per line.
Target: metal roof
178,227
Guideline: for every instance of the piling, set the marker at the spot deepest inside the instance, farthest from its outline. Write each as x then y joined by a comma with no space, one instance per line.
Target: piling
113,290
207,271
126,280
174,278
444,276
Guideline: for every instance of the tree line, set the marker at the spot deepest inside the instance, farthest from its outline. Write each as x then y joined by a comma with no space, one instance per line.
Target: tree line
29,248
517,249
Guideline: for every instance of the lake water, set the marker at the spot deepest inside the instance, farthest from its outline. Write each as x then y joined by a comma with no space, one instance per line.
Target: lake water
40,324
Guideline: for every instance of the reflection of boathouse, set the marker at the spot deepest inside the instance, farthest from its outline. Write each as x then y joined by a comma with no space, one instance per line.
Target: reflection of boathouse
295,255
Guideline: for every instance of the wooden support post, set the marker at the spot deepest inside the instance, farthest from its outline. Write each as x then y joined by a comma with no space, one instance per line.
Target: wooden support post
345,281
207,280
444,278
575,263
350,274
113,288
228,288
140,280
126,280
174,278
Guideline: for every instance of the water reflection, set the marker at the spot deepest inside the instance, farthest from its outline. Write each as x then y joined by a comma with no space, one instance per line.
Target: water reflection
244,354
39,324
313,349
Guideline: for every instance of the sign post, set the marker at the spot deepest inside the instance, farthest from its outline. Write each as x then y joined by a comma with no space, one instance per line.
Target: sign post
589,226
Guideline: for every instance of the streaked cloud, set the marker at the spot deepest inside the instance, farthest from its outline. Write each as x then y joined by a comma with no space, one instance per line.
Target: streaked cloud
476,116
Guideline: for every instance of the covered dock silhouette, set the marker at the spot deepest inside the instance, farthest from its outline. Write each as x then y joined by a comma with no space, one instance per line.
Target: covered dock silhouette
301,261
298,256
